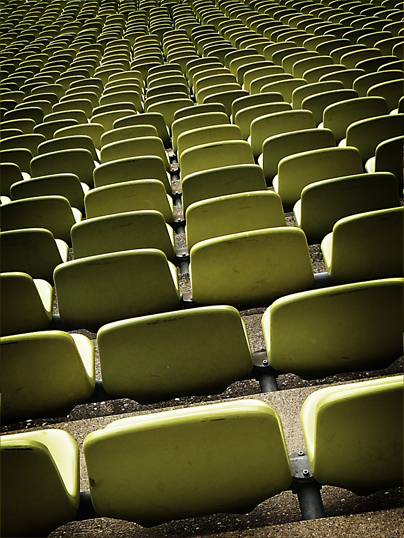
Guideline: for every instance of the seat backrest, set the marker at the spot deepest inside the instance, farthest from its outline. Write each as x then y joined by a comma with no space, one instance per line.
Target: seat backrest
297,171
215,155
26,304
93,130
361,329
147,118
76,161
33,251
51,212
365,246
260,265
367,134
323,203
318,102
367,420
143,194
311,89
246,116
144,229
277,123
363,83
279,146
68,142
391,91
221,441
231,214
221,181
388,157
189,368
206,135
44,461
196,121
34,384
338,116
168,108
135,147
99,289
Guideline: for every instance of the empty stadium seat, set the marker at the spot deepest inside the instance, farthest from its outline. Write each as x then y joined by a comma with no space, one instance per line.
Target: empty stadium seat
228,470
357,326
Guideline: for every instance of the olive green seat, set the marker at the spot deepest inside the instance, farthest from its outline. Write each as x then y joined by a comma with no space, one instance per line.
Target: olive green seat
365,246
312,89
142,194
147,118
214,90
338,116
301,169
167,108
226,98
129,95
196,121
365,82
367,134
68,142
189,367
276,123
93,130
32,250
99,289
285,87
135,147
233,213
243,118
206,135
26,303
45,374
367,420
107,119
143,229
391,91
76,161
388,158
215,449
221,181
10,173
132,168
29,141
124,133
358,327
323,203
215,155
318,102
53,213
279,146
40,484
250,268
49,128
252,100
22,157
198,109
67,185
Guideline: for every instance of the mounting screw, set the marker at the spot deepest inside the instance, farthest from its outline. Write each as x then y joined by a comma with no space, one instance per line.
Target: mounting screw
183,254
265,361
306,472
300,453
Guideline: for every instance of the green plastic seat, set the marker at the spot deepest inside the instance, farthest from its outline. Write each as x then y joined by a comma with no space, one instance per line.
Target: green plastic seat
68,142
78,115
196,121
312,89
246,116
316,73
214,90
147,118
124,133
206,135
167,108
297,171
277,123
26,125
32,250
388,158
99,289
35,384
367,134
198,109
40,481
67,185
26,303
233,213
367,420
285,87
10,173
258,77
189,367
259,262
365,246
22,157
279,146
93,130
49,128
318,103
363,83
252,100
135,147
323,203
107,119
338,116
78,161
391,91
221,181
215,155
53,213
29,141
128,96
215,449
143,229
